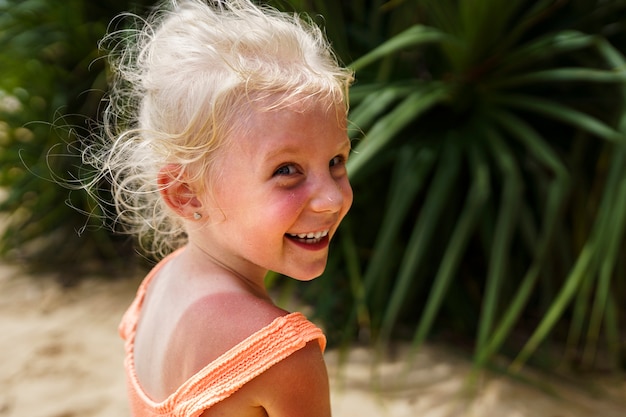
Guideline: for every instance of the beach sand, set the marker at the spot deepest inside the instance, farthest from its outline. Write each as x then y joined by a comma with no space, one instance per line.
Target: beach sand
61,357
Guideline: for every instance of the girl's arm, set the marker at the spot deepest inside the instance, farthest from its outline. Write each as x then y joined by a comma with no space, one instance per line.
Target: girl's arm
297,386
294,387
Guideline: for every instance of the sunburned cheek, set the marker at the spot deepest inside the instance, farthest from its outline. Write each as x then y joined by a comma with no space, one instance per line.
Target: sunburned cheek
284,204
279,212
291,203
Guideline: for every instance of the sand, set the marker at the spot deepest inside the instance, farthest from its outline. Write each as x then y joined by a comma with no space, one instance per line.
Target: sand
61,357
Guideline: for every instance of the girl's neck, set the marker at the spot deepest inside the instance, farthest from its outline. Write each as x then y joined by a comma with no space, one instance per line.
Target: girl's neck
204,265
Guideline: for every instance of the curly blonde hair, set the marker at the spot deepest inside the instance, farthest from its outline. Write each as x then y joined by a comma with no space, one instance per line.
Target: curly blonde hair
181,81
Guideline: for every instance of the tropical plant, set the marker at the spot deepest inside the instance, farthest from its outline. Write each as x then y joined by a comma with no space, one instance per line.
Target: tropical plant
52,82
489,176
488,167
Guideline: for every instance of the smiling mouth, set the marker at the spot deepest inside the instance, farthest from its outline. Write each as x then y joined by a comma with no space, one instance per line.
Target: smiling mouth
311,237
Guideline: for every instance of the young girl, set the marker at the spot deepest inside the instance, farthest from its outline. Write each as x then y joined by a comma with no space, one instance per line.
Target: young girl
228,149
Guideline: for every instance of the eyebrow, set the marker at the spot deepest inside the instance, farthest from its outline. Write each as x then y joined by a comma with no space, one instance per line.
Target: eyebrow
274,153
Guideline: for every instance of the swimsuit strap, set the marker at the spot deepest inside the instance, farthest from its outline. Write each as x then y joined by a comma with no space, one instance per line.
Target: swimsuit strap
247,360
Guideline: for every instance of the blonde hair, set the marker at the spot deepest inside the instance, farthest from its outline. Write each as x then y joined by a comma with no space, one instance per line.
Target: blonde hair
181,85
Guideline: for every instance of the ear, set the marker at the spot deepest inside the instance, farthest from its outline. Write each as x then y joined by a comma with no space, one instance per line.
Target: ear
177,193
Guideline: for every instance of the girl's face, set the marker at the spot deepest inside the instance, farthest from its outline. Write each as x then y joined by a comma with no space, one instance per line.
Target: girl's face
281,191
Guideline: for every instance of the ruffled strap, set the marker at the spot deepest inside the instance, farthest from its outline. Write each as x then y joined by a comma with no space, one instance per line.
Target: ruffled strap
247,360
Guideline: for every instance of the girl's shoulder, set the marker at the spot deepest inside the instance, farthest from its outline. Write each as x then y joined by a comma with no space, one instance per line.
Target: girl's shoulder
227,317
212,326
294,384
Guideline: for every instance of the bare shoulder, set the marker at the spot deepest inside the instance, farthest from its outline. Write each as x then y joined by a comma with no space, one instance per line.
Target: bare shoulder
228,316
211,326
296,386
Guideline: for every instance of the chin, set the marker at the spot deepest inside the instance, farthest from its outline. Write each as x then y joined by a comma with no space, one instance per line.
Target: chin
306,278
308,275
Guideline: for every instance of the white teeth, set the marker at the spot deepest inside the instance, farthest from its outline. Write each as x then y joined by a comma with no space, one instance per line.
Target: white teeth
310,235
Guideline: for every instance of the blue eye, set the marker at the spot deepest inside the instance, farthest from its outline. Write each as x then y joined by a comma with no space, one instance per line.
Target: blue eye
286,170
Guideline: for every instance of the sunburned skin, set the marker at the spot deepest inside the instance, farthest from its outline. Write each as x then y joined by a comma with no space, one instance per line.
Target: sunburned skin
200,336
204,320
282,193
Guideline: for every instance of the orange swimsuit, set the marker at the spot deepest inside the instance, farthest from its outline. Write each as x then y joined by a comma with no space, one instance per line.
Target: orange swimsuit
221,378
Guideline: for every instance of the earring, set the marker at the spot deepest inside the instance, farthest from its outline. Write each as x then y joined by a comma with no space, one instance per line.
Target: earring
197,216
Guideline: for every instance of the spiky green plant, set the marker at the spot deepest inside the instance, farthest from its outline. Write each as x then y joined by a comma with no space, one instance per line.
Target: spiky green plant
53,78
489,178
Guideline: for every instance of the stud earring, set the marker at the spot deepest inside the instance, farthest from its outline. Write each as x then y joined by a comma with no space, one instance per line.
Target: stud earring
197,216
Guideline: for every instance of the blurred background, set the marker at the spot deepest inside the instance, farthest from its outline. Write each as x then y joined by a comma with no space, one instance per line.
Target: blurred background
489,171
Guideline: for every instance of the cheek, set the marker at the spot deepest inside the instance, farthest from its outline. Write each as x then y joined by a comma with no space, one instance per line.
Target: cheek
279,209
348,196
291,202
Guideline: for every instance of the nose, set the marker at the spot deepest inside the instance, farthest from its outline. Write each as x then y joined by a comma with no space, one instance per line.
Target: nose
331,195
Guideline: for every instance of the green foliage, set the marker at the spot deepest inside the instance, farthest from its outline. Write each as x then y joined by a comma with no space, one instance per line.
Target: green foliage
53,79
488,173
488,170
